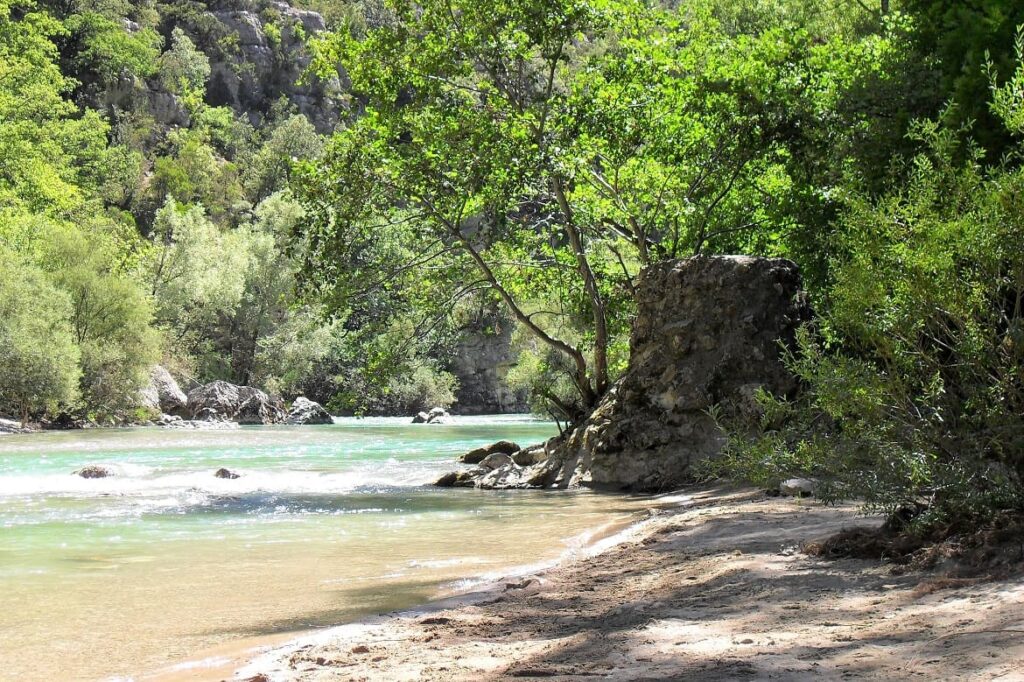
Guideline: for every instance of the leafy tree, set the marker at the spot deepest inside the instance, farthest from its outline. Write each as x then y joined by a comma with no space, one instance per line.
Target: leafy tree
269,168
38,355
106,49
195,272
184,69
547,152
110,319
914,383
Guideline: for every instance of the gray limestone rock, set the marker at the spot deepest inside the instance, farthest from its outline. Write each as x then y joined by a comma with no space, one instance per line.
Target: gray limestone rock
479,454
306,411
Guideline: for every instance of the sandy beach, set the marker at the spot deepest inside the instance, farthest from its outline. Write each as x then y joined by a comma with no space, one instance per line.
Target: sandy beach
712,587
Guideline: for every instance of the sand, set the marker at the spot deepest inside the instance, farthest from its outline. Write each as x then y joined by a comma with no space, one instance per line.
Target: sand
711,587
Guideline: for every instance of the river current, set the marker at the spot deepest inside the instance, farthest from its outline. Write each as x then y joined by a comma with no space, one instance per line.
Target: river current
144,571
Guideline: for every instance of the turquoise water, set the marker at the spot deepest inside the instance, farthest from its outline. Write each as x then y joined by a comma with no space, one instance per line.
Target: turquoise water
126,575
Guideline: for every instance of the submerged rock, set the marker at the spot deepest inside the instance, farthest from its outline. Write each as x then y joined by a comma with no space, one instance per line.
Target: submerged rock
306,411
459,479
479,454
94,471
225,473
438,415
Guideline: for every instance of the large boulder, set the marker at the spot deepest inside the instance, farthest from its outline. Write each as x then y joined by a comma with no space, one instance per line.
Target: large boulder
162,394
11,426
478,455
243,404
306,411
709,332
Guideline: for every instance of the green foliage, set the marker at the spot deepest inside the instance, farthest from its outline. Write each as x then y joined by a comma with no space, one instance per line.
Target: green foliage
184,69
914,387
111,52
110,319
269,168
38,356
194,270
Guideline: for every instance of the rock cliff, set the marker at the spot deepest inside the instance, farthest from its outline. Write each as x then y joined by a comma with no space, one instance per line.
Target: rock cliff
481,362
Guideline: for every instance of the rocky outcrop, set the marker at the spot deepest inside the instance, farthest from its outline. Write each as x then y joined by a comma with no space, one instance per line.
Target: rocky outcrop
162,394
481,361
306,411
220,400
709,332
267,62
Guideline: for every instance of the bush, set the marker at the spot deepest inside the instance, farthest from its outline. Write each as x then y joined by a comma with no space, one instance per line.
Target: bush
915,381
38,355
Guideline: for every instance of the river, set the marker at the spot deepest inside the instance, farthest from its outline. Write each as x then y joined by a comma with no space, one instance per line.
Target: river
144,571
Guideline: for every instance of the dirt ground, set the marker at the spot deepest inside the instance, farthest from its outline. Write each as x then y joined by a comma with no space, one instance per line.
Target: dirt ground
712,587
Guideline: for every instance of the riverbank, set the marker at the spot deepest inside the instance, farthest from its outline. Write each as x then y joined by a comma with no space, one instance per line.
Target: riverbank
714,587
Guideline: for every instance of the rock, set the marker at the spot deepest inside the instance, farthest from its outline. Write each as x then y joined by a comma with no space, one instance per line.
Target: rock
481,360
255,72
798,487
495,460
94,471
172,422
438,415
476,456
225,473
305,411
162,393
459,479
11,426
708,332
258,408
530,456
421,418
220,400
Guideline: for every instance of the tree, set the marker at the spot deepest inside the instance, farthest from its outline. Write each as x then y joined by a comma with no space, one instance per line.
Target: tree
546,152
110,319
38,355
185,69
914,383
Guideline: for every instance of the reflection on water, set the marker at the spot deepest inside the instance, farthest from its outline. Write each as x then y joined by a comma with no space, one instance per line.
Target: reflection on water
119,575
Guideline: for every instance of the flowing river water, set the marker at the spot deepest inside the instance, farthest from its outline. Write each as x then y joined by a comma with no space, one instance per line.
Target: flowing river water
144,571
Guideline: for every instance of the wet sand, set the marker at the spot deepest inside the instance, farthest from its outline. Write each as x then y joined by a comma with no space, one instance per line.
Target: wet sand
711,587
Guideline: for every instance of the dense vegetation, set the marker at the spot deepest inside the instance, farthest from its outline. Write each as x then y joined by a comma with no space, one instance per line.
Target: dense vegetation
532,156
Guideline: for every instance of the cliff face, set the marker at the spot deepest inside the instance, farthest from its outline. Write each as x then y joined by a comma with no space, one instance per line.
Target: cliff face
266,62
258,55
482,359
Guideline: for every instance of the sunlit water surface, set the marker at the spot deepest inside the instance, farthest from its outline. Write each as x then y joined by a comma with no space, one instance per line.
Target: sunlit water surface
122,576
